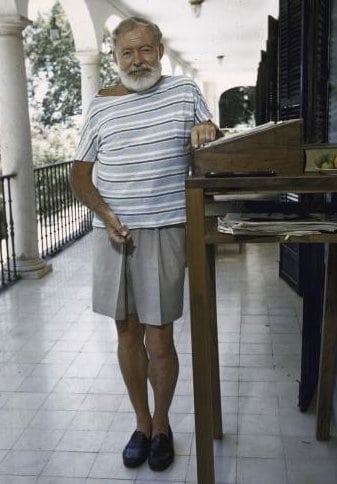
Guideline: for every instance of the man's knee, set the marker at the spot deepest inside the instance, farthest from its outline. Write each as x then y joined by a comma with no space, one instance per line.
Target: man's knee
130,332
159,340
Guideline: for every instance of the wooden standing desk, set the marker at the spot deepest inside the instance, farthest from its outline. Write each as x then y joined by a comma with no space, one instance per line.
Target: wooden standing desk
202,236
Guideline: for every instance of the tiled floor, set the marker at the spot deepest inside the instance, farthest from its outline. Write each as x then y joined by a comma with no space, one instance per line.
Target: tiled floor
64,412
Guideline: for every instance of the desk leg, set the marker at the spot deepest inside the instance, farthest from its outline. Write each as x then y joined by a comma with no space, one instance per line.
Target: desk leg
216,390
199,281
327,365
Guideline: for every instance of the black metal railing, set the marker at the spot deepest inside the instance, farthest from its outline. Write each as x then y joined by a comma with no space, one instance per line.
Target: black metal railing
8,273
61,218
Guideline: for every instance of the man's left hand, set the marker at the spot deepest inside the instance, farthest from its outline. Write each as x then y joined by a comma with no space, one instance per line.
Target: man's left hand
203,133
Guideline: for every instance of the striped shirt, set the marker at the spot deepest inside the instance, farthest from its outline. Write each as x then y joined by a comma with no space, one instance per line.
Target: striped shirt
141,145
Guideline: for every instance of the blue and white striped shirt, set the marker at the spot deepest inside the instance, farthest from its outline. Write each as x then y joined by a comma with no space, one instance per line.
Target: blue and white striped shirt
141,145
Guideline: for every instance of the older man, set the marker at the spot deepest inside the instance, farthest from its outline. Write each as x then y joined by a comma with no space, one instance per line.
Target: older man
139,136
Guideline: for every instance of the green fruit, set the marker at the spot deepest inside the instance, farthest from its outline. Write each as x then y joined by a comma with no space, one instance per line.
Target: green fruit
326,165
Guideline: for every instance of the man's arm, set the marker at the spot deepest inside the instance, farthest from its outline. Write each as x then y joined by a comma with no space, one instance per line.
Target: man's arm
86,192
203,133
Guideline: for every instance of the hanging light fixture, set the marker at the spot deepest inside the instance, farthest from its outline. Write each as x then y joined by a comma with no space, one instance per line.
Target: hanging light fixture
196,7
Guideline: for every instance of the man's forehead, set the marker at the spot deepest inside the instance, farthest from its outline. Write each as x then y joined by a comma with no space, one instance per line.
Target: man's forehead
137,33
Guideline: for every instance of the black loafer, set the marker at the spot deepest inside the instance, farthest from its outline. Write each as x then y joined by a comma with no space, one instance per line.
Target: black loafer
161,453
136,450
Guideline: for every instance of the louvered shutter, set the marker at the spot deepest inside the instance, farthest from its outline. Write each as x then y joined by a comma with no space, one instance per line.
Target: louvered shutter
261,99
290,59
272,68
332,134
266,84
316,70
290,107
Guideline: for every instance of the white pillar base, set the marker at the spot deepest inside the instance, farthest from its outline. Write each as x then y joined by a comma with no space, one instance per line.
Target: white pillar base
32,268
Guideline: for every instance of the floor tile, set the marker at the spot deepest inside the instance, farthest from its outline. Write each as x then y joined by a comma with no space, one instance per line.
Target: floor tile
108,464
224,470
23,400
104,402
259,406
254,424
70,464
81,440
13,418
88,420
36,439
65,415
263,446
8,437
60,480
52,419
18,479
261,471
314,470
176,472
24,462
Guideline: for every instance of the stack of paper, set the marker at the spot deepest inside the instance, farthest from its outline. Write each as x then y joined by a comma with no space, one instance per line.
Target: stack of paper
275,224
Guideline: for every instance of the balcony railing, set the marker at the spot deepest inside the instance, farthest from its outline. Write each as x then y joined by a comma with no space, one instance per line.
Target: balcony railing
8,273
61,218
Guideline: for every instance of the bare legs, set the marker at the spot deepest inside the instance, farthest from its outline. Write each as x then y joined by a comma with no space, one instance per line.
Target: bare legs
144,352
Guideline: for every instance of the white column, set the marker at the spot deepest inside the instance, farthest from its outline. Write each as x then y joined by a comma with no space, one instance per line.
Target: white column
212,97
89,62
16,147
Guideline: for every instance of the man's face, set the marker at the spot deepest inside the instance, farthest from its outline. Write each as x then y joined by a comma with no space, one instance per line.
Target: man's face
138,58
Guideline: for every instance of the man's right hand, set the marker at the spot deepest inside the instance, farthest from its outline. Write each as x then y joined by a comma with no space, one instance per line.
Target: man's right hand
117,232
87,193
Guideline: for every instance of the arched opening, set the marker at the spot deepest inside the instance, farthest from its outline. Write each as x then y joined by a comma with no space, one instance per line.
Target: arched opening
237,107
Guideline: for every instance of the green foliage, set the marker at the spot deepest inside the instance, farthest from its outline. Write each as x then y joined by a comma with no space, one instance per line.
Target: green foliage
54,85
108,72
237,107
52,64
56,143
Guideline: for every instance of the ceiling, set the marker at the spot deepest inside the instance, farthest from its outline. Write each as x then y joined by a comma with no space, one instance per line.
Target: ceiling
235,29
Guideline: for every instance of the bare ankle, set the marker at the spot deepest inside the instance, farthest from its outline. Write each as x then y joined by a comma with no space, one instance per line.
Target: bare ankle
160,426
145,426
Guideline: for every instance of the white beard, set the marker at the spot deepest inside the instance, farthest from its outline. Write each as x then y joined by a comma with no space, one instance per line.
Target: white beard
142,81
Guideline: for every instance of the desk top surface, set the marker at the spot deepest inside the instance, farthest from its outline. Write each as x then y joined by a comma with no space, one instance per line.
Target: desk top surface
306,183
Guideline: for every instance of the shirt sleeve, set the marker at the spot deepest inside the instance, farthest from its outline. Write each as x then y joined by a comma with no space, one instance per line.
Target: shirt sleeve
88,144
201,111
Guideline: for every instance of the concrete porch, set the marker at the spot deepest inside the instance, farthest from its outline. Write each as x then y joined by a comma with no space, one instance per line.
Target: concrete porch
64,412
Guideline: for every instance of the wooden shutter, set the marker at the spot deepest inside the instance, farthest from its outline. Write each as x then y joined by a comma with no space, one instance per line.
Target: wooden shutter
272,67
332,130
290,59
266,84
261,99
316,70
290,107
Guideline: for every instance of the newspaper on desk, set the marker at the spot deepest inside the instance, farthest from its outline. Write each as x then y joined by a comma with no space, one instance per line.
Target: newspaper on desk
264,224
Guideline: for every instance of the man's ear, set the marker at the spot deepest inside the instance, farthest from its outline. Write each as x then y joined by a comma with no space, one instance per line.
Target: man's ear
161,50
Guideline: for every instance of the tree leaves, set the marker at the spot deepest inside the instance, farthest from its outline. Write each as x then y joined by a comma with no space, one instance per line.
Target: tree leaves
54,74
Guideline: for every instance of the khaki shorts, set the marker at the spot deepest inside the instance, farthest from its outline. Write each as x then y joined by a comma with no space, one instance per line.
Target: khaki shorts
154,266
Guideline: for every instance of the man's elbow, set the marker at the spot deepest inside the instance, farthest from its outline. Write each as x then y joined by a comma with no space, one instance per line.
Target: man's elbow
74,175
79,176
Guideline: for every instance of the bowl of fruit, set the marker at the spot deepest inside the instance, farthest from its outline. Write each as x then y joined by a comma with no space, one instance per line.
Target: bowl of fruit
327,163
